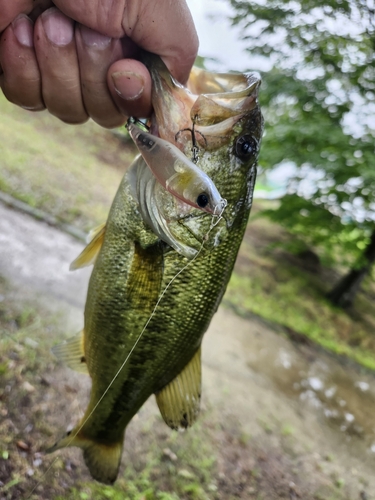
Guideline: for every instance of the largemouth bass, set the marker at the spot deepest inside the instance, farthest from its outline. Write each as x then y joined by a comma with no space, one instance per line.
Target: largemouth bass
162,266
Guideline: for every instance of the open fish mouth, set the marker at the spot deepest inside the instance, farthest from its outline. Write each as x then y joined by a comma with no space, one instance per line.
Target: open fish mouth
206,122
207,109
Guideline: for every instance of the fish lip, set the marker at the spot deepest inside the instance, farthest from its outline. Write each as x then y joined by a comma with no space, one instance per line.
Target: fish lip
176,107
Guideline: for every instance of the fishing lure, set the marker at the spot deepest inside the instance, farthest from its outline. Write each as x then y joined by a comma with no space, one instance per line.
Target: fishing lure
176,173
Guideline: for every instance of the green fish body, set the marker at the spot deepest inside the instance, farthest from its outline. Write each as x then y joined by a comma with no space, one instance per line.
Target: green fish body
161,269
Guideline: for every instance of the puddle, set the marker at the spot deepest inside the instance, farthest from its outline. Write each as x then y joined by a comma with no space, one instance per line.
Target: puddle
341,396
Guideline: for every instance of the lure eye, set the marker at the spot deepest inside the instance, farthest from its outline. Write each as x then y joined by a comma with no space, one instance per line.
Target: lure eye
245,147
202,200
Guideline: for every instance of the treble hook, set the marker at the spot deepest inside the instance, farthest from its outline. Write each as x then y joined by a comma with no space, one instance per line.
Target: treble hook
195,148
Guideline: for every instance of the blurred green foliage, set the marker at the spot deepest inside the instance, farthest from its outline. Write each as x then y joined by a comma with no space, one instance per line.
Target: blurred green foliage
319,104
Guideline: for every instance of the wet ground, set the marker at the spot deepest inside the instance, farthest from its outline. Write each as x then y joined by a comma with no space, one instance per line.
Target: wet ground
311,418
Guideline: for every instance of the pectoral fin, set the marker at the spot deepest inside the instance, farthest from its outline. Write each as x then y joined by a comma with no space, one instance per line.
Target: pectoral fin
179,401
89,254
71,352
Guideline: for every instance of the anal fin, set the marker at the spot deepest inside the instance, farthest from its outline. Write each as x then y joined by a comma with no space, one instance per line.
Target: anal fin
71,352
90,252
179,401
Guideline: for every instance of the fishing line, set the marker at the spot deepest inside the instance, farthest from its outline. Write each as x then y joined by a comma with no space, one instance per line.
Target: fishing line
205,238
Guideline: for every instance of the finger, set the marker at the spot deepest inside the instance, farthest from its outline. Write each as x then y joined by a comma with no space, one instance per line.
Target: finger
104,16
96,53
164,27
9,10
20,81
130,84
58,63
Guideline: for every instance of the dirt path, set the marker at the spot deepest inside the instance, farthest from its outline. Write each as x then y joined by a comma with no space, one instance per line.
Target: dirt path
294,415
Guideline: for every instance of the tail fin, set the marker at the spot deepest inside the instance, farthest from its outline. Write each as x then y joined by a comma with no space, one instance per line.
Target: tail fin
102,460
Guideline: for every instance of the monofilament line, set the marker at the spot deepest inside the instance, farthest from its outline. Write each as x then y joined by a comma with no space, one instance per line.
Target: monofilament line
213,224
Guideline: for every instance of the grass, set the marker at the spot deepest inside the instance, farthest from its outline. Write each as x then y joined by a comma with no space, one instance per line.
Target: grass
281,289
24,356
69,172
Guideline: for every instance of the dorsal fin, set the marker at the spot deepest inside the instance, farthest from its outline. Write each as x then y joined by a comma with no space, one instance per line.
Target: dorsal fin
179,401
90,252
71,352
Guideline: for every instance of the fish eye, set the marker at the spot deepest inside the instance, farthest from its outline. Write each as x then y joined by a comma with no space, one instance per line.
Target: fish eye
202,200
245,147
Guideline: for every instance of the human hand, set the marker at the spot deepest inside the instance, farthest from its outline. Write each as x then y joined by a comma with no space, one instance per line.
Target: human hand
90,68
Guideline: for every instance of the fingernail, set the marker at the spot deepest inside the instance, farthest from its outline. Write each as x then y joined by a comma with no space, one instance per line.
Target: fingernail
58,28
94,39
32,108
23,30
128,85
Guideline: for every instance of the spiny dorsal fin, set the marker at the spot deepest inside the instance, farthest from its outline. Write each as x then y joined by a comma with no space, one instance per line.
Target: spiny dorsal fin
90,252
71,352
179,400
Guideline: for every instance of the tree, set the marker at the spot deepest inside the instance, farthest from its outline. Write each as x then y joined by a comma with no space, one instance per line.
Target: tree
319,103
344,292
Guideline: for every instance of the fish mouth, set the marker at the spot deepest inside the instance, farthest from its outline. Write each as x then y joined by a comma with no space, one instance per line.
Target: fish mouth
203,112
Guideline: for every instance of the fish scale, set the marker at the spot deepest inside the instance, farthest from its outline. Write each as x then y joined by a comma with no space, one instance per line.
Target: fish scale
160,273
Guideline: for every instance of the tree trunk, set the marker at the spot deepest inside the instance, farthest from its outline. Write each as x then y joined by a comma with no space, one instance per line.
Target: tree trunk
343,294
